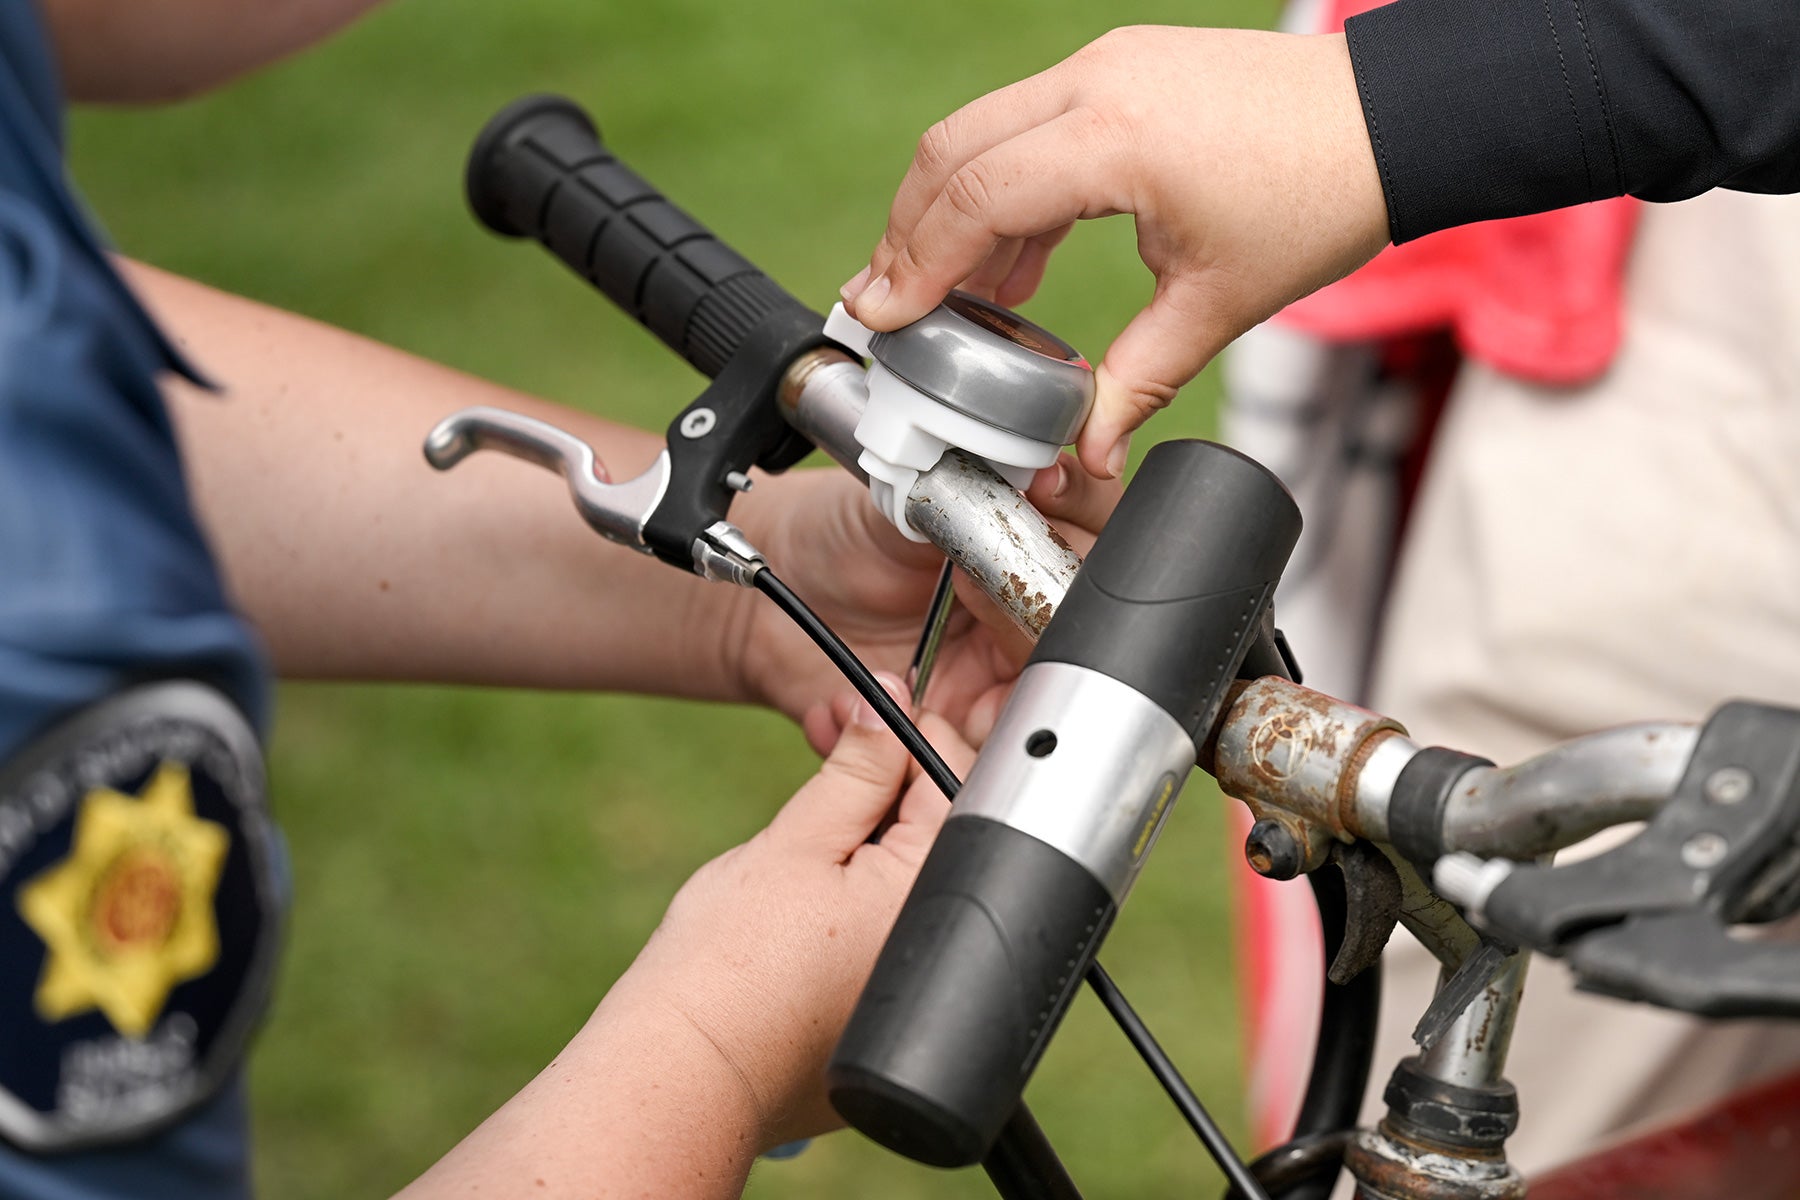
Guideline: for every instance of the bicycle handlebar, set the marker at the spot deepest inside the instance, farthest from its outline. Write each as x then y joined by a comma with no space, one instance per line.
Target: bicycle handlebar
539,170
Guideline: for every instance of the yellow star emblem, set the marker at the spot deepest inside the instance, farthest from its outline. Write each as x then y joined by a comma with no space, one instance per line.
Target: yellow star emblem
128,914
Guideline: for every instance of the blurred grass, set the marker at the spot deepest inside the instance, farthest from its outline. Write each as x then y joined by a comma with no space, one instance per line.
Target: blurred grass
473,868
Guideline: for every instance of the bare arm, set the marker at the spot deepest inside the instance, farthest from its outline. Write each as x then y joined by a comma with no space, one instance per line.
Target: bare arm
356,560
135,51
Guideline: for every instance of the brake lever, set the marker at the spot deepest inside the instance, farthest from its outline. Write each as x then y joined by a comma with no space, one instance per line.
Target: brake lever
1651,920
618,512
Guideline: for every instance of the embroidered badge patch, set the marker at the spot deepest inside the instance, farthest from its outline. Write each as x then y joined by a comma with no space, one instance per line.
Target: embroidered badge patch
140,907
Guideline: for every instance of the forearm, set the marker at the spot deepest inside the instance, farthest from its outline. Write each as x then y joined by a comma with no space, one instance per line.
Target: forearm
1480,110
640,1104
129,51
356,560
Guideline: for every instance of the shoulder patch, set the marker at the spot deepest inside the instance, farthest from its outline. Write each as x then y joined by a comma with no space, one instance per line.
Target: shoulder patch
141,899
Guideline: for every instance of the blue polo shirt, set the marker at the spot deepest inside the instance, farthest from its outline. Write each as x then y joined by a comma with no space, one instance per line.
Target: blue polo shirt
105,578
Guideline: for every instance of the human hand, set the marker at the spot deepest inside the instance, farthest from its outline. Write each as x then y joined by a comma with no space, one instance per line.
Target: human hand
765,949
711,1048
823,536
1242,155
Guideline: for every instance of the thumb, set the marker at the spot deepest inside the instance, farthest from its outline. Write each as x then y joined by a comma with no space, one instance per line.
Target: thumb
1162,348
856,786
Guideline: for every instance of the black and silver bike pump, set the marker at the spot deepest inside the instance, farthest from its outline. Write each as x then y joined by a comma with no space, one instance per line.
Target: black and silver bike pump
1062,807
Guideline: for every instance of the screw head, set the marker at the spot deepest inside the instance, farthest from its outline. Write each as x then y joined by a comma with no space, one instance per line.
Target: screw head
699,423
1272,851
1704,850
1729,785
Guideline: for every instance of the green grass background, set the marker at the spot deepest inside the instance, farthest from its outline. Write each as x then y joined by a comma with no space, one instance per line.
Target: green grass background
473,867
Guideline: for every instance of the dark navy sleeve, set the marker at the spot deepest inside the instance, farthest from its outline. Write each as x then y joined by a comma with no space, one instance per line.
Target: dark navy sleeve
105,576
1494,108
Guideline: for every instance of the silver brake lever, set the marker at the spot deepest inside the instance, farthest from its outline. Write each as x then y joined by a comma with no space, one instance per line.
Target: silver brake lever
618,512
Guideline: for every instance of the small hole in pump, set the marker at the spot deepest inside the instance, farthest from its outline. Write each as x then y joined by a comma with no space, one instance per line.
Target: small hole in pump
1040,744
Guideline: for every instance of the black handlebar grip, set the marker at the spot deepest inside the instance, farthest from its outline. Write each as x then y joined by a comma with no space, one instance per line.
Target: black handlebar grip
1020,888
1173,595
983,961
539,170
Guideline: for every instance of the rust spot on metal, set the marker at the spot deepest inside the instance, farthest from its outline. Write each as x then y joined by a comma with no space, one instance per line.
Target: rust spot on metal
1279,748
800,373
1056,536
1392,1166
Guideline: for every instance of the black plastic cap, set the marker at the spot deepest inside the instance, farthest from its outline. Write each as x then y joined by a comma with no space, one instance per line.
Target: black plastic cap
484,178
1420,796
979,969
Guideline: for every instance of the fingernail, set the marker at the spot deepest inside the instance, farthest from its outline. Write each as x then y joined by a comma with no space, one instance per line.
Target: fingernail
1062,480
1115,458
854,288
867,717
869,303
865,712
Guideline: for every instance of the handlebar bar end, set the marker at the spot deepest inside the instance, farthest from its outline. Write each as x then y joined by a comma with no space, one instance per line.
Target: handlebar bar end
984,956
488,189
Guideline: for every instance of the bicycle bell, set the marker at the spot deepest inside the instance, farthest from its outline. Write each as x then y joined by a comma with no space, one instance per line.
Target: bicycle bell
969,375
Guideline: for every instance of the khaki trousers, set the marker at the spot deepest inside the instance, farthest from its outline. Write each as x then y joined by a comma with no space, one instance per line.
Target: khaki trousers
1628,550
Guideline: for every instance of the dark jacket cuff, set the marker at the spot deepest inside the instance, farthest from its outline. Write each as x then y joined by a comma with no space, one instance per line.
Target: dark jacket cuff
1482,108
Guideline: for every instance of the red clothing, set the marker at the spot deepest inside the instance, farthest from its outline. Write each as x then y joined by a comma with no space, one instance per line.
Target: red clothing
1539,297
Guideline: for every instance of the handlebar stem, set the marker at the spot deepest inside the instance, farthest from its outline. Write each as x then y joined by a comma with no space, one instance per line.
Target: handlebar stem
1286,747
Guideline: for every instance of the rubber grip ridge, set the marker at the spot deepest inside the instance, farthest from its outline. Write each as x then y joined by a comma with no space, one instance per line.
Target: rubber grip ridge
539,170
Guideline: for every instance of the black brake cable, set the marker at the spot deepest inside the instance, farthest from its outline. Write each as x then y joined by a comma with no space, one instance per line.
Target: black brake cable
1237,1173
939,772
862,679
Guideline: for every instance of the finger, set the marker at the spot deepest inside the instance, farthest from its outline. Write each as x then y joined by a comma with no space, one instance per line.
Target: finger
821,725
1037,182
872,525
967,133
844,706
984,714
993,272
924,807
1028,271
1067,494
1164,346
855,787
824,722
